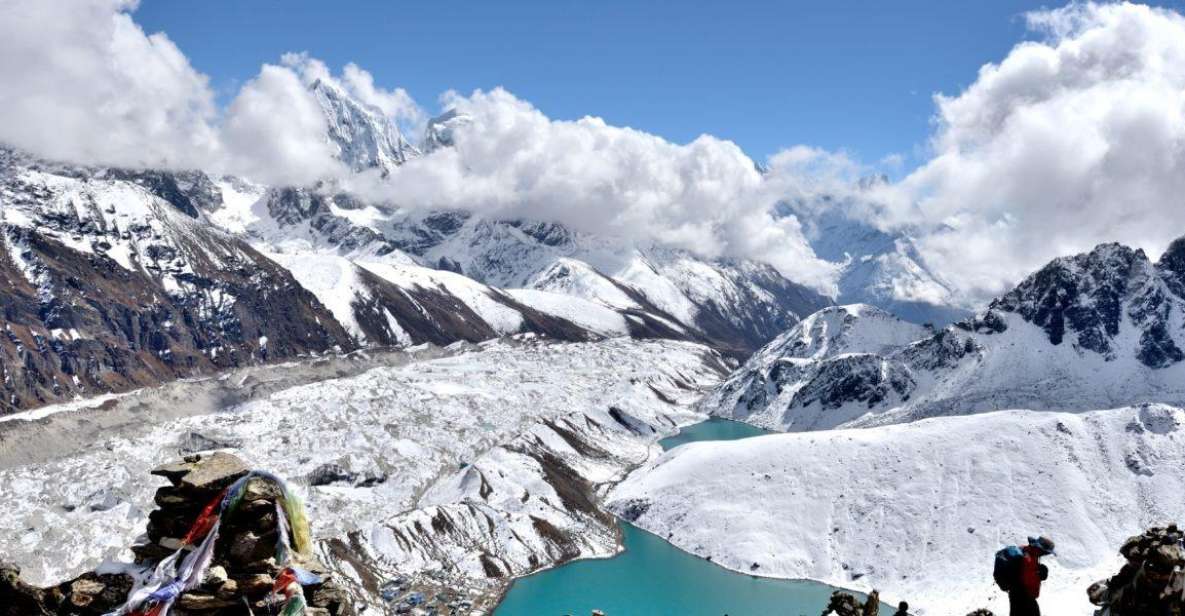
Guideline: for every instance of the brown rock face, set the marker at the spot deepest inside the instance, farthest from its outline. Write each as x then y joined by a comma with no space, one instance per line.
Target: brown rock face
73,323
238,581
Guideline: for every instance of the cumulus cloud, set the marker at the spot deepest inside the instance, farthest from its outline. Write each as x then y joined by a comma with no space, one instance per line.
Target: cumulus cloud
275,131
1069,141
82,81
511,160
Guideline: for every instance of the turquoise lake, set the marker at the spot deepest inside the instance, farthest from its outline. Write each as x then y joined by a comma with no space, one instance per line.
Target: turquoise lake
654,578
714,429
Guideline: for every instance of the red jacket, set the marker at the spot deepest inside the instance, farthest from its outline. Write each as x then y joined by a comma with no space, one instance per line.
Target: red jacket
1030,575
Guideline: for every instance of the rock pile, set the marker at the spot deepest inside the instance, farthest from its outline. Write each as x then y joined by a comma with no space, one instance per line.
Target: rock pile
1152,581
240,579
90,594
846,604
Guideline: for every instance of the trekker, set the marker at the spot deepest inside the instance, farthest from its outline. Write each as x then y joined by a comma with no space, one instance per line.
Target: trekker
1028,575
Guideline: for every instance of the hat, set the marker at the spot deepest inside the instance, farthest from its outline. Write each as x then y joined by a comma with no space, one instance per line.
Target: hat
1043,543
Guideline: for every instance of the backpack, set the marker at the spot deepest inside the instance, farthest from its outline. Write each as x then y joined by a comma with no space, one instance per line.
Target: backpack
1007,568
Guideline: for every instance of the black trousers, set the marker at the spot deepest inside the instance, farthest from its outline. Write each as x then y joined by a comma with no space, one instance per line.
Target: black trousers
1021,604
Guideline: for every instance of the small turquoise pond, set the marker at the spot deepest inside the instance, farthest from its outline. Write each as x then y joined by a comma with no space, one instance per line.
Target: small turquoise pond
714,429
654,578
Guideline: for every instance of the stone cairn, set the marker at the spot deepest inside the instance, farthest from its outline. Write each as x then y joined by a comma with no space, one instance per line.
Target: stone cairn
238,582
1152,581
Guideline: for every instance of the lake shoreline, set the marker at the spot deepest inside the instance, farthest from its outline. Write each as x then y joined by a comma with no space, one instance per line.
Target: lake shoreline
708,429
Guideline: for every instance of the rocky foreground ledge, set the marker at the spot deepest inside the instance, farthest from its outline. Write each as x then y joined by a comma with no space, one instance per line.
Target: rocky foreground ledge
241,577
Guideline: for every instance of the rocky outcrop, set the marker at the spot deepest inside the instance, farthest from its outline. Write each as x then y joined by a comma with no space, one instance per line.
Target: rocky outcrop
1089,331
242,574
114,280
91,594
846,604
1151,581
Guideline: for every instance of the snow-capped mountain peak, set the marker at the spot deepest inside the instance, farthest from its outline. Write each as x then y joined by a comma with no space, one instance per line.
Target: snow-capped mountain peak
1089,331
1098,300
854,328
363,136
439,132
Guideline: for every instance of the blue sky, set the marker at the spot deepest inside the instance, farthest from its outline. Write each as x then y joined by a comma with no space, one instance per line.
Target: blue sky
855,76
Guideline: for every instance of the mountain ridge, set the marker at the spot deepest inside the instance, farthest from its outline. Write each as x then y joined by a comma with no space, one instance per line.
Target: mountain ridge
1086,331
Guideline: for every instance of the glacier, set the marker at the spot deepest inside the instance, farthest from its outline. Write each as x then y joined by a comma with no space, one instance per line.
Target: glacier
499,438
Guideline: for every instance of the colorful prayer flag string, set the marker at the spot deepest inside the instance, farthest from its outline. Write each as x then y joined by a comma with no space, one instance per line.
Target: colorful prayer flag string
156,595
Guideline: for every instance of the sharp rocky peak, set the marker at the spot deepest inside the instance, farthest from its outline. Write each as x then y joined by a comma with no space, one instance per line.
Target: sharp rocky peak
363,136
1172,267
1090,299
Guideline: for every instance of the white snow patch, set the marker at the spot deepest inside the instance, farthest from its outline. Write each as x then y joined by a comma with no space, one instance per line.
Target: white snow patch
589,315
333,280
918,510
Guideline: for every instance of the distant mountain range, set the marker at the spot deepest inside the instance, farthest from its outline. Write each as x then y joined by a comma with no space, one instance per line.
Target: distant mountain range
117,278
1095,330
876,267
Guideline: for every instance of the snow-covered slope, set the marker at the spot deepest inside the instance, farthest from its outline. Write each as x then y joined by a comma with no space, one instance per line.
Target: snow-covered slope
592,316
1092,331
735,305
439,468
838,330
105,284
385,304
918,510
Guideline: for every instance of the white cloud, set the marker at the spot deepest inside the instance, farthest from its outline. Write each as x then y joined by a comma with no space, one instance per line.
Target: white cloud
511,160
275,131
1068,142
82,81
